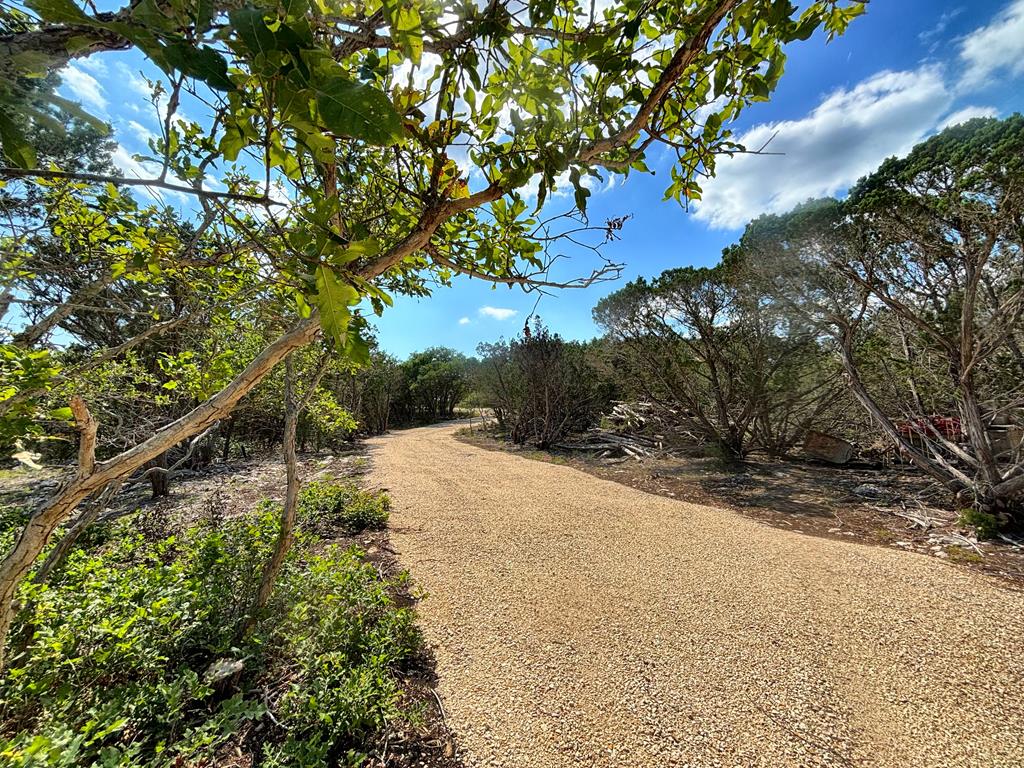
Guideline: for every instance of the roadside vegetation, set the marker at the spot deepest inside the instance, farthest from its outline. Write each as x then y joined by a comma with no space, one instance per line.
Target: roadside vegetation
144,647
890,324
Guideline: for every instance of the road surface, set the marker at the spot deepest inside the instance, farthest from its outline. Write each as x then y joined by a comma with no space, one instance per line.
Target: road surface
578,622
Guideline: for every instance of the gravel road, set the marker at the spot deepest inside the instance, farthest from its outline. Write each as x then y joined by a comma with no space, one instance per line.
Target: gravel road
578,622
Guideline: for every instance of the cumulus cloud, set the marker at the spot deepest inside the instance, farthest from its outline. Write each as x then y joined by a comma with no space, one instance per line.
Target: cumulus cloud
80,86
994,49
129,166
498,313
845,137
464,321
93,64
140,132
968,113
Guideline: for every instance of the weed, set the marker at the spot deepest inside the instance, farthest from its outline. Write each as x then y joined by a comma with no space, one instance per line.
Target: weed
985,524
958,554
120,642
325,506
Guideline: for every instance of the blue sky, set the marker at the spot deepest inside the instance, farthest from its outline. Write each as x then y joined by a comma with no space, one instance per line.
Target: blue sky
901,72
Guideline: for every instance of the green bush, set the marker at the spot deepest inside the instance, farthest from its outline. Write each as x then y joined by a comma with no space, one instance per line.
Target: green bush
109,660
985,524
347,689
325,506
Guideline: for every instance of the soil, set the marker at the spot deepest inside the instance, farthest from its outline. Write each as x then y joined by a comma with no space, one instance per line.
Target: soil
854,502
227,489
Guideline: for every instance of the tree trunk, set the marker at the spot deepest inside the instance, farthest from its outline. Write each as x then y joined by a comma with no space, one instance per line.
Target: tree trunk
85,518
229,428
158,480
931,468
91,477
285,536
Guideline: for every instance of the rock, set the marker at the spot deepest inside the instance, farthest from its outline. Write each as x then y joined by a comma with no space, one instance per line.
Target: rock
828,448
868,491
222,669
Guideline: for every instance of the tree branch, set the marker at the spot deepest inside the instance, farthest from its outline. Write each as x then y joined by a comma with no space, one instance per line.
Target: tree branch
206,194
87,437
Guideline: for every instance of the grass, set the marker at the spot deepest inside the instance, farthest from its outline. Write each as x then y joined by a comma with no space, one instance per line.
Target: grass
884,534
114,662
958,554
985,524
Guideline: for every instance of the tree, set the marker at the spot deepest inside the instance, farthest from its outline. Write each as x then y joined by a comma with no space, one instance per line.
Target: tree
320,98
701,345
433,383
921,270
540,387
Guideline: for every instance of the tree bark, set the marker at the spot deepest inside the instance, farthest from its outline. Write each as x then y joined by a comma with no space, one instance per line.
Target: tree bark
91,477
158,481
285,535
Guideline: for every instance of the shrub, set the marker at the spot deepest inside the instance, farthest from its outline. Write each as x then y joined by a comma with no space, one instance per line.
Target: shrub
346,689
540,387
325,506
325,422
116,650
985,524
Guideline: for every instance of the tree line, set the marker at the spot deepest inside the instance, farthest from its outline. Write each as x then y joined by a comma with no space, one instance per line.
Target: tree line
893,317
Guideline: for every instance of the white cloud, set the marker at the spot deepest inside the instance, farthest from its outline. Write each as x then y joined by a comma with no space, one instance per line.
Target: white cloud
845,137
140,132
420,77
129,166
968,113
93,64
80,86
135,81
932,35
995,48
133,169
464,321
498,313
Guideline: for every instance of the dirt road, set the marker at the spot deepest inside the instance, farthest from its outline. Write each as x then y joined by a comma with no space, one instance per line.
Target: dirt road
577,622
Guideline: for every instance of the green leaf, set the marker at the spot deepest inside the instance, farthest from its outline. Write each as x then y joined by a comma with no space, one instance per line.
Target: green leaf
201,63
356,349
406,27
60,12
232,142
144,40
75,110
148,14
15,148
348,108
205,11
252,30
333,298
758,87
357,249
31,63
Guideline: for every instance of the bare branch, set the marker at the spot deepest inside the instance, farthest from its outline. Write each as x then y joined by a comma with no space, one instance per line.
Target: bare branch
99,178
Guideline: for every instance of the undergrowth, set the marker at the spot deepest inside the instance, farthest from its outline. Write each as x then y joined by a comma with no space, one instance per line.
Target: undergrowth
325,506
134,655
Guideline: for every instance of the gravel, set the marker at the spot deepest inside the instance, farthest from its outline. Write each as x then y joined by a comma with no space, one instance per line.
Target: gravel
578,622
